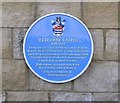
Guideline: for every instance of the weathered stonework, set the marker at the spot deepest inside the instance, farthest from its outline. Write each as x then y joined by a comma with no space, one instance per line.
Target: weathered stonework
18,1
67,96
6,43
1,43
100,14
72,8
0,74
27,96
14,75
0,14
105,97
2,96
18,37
98,44
39,84
111,52
17,14
100,77
100,80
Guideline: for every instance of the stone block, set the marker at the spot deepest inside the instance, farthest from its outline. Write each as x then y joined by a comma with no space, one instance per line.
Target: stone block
18,37
86,97
73,8
1,43
111,49
14,75
17,14
68,96
0,75
100,14
18,1
27,96
6,43
105,97
100,77
98,44
39,84
0,14
2,96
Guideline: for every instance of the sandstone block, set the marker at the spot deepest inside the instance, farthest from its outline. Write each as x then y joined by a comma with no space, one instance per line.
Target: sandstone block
27,96
72,8
17,14
111,52
14,75
100,77
39,84
100,14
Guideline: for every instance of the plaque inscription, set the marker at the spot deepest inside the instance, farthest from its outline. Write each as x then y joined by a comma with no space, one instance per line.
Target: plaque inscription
58,48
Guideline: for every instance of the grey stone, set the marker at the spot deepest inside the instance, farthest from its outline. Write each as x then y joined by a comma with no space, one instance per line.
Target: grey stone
1,43
14,75
98,44
18,1
100,14
68,96
27,96
0,74
6,43
105,96
18,37
39,84
100,77
2,96
72,8
17,14
0,14
111,52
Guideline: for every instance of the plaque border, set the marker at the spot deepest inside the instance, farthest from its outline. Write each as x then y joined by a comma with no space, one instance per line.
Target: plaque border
90,59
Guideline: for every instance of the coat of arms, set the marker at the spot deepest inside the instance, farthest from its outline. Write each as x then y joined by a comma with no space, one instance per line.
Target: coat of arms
58,26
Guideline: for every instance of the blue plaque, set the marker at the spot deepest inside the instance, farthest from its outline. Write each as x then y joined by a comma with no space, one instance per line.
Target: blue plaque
58,47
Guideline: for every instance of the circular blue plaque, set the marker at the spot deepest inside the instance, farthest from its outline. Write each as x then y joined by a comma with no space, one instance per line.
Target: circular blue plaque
58,47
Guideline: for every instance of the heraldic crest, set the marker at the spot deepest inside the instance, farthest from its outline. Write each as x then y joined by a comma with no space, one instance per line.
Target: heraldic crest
58,26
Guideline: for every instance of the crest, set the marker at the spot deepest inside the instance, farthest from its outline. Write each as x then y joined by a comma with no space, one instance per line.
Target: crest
58,26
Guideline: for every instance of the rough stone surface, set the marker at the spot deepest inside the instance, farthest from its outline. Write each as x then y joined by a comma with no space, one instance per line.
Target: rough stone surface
1,43
63,7
6,43
105,96
2,96
0,74
0,14
27,96
111,52
98,44
17,14
39,84
18,1
14,75
100,77
100,80
100,14
18,37
67,96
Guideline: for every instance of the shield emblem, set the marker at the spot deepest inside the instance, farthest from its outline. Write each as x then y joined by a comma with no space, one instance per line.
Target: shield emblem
58,26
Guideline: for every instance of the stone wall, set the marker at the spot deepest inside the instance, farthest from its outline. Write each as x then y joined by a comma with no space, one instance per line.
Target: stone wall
98,83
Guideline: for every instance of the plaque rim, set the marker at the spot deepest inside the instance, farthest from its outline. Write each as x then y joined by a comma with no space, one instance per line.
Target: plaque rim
90,59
